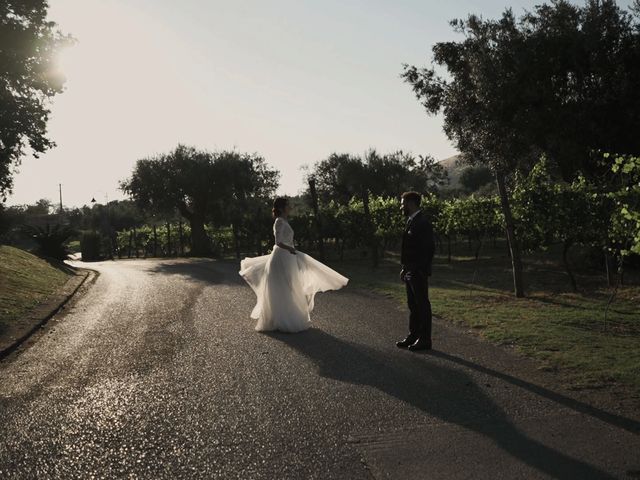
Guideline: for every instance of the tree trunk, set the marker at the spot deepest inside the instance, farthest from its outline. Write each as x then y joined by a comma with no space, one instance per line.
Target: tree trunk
566,245
449,248
514,247
236,242
130,242
114,243
385,247
200,246
478,247
199,241
316,216
168,239
155,241
135,241
369,223
181,236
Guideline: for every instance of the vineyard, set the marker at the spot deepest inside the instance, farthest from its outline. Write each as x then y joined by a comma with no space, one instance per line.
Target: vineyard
576,215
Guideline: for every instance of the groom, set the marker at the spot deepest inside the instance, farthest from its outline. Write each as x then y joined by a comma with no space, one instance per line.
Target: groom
418,247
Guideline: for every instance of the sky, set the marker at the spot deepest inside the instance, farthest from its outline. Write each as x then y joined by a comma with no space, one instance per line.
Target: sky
293,80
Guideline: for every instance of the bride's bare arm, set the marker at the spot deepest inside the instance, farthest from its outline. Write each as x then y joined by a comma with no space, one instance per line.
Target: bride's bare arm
286,247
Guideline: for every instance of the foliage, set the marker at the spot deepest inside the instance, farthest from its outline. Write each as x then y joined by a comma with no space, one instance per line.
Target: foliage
222,187
28,80
482,103
6,222
474,177
41,207
167,240
387,220
561,80
117,214
51,240
474,217
626,218
603,215
90,246
341,176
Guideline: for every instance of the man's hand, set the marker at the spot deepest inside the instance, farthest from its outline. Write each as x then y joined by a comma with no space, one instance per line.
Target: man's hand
403,275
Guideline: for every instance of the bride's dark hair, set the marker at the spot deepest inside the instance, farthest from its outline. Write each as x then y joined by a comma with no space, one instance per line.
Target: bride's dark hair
279,205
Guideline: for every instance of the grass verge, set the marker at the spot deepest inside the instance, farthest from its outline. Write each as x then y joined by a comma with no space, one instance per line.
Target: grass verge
564,330
25,281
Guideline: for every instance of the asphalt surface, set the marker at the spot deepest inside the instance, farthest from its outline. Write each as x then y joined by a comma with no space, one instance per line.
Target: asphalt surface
155,371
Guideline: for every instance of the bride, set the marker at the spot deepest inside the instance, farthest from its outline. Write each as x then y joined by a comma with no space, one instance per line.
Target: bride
286,281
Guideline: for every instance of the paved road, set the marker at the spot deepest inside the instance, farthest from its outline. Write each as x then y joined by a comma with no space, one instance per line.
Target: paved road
155,372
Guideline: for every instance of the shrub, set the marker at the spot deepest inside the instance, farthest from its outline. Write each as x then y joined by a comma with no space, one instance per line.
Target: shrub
51,240
90,246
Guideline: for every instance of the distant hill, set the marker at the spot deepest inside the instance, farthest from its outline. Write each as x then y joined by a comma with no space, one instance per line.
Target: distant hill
454,168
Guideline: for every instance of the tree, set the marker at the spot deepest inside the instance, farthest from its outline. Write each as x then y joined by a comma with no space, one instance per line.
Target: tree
183,179
585,65
28,80
202,186
482,102
562,80
243,198
473,178
41,207
391,174
340,177
344,177
51,241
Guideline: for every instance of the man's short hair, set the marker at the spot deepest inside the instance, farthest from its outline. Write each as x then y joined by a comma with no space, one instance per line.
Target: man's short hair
413,197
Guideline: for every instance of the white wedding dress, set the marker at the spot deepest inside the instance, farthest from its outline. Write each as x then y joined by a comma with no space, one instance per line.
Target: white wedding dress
285,284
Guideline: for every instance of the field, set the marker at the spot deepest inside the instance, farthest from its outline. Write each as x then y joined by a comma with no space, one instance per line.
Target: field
564,330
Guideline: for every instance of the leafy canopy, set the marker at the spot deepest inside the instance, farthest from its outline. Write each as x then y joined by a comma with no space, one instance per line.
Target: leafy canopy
29,78
560,80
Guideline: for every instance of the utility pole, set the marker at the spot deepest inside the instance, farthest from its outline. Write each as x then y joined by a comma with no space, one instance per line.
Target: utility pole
60,188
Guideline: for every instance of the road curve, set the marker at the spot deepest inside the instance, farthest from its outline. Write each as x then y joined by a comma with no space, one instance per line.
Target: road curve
155,371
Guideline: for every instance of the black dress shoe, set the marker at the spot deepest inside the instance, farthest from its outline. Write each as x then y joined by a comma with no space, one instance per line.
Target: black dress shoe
420,344
406,342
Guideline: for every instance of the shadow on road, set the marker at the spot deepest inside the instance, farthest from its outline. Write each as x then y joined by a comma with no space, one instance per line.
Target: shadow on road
628,424
441,391
202,270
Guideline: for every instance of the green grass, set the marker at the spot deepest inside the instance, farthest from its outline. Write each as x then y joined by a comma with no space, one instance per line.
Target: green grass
74,246
564,330
25,280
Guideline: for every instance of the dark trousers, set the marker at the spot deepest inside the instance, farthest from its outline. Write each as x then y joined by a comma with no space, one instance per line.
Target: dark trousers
419,306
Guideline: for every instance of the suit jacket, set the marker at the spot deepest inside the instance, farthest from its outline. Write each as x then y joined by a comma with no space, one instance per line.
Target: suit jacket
418,245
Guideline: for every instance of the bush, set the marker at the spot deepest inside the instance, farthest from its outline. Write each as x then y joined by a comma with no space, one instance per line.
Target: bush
90,246
51,240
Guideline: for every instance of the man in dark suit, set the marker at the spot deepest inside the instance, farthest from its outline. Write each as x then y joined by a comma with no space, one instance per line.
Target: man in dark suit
418,247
